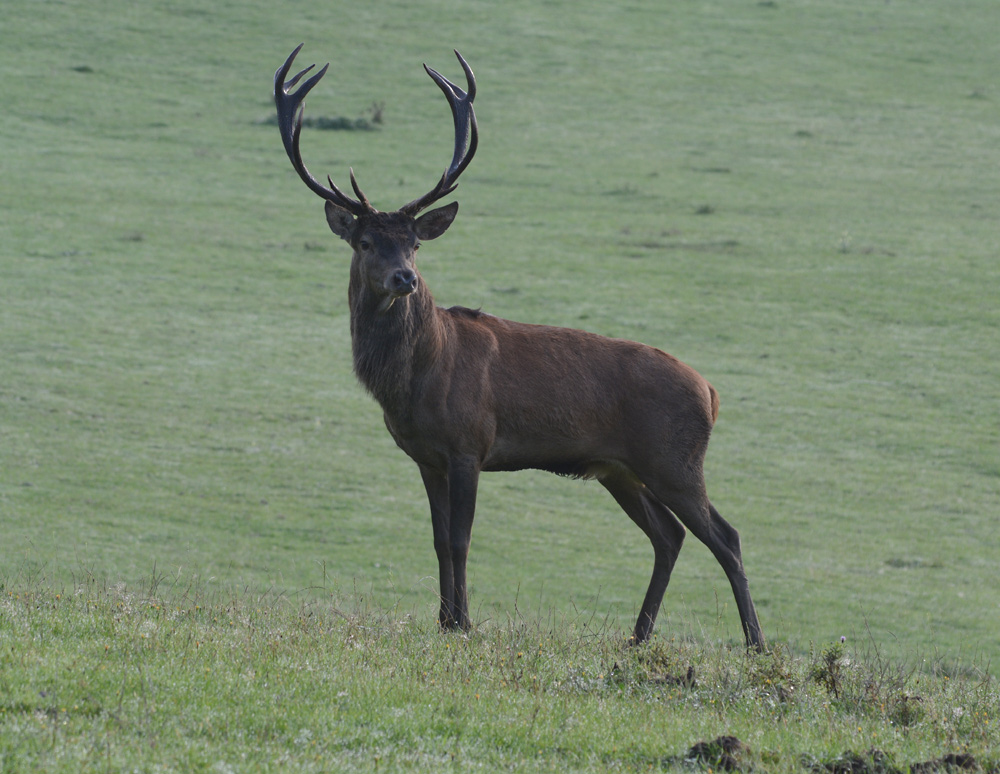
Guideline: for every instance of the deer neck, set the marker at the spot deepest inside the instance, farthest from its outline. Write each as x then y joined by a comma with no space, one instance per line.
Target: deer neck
394,346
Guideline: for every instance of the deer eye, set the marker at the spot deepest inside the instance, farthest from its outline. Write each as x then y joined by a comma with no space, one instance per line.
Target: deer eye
416,247
365,245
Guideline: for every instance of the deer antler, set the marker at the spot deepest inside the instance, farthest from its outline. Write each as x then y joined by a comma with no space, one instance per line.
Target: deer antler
290,111
466,134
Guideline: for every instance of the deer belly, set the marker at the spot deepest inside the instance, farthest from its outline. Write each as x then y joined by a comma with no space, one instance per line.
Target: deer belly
560,443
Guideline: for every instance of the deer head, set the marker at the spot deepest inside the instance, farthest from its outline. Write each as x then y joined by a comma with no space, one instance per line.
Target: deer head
384,243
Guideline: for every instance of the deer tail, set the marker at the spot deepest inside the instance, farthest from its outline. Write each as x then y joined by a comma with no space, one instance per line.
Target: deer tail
714,397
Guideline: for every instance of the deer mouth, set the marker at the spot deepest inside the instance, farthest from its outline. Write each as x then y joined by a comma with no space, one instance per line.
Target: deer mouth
387,301
399,285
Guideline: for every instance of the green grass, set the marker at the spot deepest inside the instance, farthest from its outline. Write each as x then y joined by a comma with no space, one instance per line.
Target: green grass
178,674
799,199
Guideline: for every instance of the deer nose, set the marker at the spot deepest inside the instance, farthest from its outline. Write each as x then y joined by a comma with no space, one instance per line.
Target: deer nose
402,282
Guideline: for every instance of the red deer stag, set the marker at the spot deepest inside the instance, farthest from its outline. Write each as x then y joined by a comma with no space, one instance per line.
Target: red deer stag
464,392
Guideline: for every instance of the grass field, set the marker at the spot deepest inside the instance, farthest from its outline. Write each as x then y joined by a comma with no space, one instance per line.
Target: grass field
799,199
170,675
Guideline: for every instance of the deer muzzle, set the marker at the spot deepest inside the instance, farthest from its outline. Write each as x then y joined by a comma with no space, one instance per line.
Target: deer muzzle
401,282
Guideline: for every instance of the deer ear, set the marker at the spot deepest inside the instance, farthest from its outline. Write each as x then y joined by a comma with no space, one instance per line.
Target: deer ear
340,220
433,224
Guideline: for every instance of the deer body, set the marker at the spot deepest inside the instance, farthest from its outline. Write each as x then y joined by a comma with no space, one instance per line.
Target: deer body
519,396
464,392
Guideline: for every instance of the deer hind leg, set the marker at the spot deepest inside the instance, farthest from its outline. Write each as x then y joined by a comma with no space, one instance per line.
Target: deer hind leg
693,508
664,531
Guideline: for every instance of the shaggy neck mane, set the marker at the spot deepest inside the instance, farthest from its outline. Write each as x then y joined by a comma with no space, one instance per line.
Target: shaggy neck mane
392,347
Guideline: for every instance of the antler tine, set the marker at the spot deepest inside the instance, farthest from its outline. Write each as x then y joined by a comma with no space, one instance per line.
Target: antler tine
466,135
465,117
290,110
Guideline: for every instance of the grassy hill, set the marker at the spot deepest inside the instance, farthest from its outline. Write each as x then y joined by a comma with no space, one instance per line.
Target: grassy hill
176,675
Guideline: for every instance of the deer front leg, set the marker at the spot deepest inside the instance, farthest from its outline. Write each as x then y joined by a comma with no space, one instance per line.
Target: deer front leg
463,483
436,485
